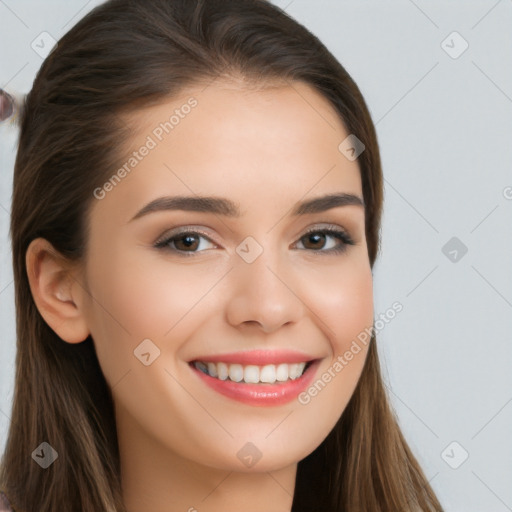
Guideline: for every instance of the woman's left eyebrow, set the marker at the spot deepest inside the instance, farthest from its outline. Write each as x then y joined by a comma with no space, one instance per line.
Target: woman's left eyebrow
228,208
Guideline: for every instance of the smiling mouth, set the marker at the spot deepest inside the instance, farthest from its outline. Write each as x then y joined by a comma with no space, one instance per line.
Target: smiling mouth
253,374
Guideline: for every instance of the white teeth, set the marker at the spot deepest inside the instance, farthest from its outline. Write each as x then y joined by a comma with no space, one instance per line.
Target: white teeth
236,372
222,371
252,374
212,369
268,374
282,372
295,371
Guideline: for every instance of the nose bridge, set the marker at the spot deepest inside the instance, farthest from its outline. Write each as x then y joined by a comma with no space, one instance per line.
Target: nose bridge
263,290
259,264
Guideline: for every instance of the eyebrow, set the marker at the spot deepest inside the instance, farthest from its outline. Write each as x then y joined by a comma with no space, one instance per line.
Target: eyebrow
228,208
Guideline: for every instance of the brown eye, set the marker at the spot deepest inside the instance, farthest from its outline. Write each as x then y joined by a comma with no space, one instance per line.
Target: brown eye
184,243
315,240
187,241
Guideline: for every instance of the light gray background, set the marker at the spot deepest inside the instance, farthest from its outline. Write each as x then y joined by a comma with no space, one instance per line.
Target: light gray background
445,131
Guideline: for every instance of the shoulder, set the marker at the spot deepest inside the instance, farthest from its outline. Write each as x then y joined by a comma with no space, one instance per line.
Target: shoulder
5,505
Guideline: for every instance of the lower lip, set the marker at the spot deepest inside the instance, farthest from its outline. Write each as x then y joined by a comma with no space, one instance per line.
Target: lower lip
260,394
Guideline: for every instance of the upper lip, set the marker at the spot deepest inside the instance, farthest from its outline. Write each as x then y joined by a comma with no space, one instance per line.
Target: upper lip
257,357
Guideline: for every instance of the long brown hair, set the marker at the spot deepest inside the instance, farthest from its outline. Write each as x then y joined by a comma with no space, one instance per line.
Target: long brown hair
122,56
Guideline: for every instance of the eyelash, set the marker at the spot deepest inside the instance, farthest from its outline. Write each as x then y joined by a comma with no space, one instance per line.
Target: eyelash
333,231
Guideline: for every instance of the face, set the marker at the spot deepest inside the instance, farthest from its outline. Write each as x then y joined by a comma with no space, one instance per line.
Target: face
185,299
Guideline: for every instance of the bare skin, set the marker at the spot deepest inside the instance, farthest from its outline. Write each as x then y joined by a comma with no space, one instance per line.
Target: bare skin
265,150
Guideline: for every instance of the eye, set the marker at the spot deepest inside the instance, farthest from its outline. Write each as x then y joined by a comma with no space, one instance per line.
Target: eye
318,237
184,242
187,242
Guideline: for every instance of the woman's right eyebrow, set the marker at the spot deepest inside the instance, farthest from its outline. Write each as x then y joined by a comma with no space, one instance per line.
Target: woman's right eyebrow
227,207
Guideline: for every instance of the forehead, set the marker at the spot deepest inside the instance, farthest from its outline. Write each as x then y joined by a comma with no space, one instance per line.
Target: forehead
251,144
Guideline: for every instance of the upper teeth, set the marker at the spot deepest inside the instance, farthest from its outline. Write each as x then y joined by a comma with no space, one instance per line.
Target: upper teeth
252,374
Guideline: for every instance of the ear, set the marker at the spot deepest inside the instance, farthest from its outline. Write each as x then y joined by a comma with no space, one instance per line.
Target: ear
56,291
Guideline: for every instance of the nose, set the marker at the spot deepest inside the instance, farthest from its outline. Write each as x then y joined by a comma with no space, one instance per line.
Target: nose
264,295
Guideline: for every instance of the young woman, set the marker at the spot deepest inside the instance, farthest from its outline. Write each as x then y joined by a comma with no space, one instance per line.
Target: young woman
195,219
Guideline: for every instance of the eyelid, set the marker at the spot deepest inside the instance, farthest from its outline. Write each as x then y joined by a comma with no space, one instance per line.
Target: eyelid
317,227
326,226
183,230
334,231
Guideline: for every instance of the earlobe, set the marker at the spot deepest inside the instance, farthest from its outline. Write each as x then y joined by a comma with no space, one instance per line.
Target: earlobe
51,282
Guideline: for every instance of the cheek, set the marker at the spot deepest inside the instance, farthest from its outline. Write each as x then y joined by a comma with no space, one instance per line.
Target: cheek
343,303
353,312
349,314
342,299
134,299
